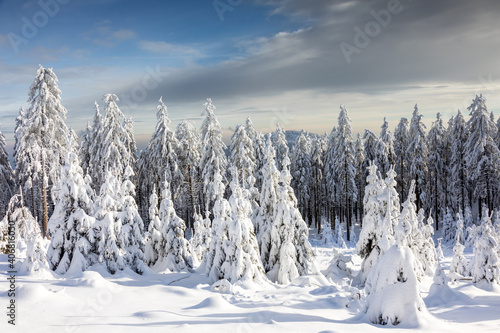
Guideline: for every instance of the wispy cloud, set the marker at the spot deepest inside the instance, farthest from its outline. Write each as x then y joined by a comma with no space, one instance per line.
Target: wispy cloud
168,49
103,34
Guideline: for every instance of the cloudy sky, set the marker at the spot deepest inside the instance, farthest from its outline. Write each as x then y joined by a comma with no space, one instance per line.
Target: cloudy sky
291,62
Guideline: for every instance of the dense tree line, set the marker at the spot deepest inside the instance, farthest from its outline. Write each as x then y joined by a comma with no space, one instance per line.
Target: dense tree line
95,198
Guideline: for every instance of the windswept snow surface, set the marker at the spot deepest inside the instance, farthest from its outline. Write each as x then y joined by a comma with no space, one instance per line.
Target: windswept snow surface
96,301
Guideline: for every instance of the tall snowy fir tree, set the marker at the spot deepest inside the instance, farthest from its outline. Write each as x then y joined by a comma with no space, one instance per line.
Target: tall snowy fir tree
344,170
385,149
108,225
167,248
113,148
458,172
370,141
85,148
436,164
242,261
485,265
95,155
71,226
213,158
417,155
280,145
189,154
394,274
44,138
402,164
318,181
302,174
482,155
6,177
243,157
290,253
160,162
259,149
132,229
268,202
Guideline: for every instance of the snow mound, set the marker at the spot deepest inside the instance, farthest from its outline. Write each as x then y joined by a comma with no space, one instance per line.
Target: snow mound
87,279
213,303
30,292
222,286
311,281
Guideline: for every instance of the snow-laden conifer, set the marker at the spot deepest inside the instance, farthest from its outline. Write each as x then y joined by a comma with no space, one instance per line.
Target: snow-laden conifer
213,159
71,226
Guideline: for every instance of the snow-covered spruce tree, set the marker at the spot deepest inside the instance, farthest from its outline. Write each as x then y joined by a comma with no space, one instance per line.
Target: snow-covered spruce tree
44,139
367,246
213,159
129,140
178,254
189,154
288,222
340,234
85,148
327,236
243,158
458,265
449,226
241,261
485,264
389,208
318,181
28,242
402,164
155,244
344,170
132,230
268,202
369,152
70,228
417,154
109,244
220,225
280,145
436,165
302,173
200,242
259,149
160,159
423,245
6,177
393,275
385,149
95,155
370,141
458,173
482,155
112,145
410,221
22,161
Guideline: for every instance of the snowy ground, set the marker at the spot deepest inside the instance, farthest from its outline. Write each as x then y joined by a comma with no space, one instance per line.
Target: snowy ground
96,301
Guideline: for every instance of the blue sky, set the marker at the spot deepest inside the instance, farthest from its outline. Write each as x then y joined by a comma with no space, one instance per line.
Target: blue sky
275,60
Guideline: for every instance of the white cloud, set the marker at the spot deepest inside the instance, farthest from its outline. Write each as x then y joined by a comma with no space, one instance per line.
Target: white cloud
165,48
103,34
